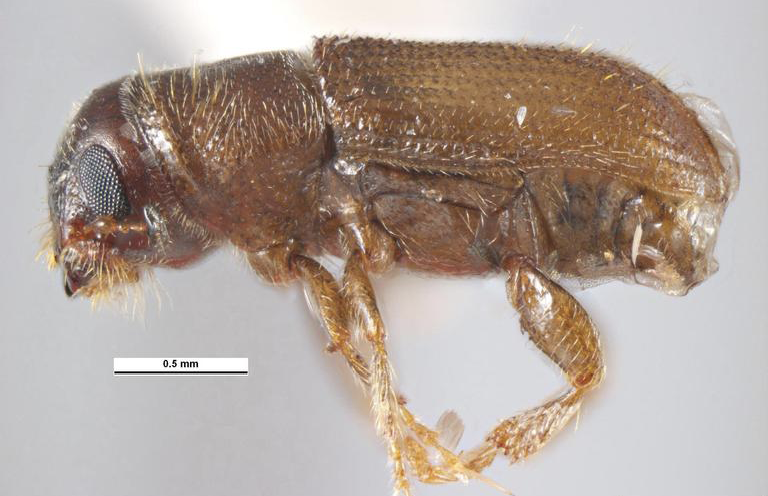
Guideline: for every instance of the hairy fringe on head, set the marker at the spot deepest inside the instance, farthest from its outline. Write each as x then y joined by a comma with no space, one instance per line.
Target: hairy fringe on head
45,252
121,286
115,283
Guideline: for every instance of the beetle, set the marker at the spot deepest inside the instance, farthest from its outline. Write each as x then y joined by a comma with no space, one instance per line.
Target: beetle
542,163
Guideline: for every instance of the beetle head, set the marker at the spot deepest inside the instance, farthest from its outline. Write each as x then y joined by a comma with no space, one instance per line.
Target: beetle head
111,211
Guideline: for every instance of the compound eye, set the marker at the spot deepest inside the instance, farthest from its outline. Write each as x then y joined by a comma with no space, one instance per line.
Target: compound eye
100,182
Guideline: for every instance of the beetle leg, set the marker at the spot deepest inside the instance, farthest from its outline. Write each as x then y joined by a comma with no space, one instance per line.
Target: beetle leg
561,328
408,439
330,306
273,264
326,296
364,315
280,264
375,244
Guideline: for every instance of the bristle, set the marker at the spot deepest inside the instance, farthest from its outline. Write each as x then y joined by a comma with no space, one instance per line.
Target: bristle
155,288
46,248
116,284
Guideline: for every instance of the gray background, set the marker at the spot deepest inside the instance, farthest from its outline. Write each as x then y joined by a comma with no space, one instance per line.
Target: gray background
684,408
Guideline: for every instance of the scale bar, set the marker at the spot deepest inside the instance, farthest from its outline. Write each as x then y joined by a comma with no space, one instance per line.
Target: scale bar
180,366
180,372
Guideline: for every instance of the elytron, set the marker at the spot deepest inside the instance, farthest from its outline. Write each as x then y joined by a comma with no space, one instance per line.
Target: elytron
540,163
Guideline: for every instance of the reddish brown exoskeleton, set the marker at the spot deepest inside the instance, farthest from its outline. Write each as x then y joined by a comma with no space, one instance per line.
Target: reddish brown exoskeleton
541,163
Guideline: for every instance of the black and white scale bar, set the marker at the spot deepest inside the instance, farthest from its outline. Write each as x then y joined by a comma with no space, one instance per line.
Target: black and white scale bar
181,366
181,372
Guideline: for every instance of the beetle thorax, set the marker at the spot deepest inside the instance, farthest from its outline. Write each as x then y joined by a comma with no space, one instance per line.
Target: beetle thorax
239,141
